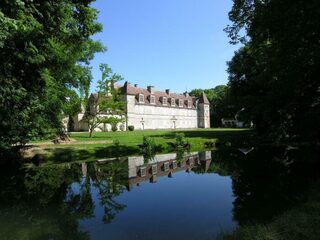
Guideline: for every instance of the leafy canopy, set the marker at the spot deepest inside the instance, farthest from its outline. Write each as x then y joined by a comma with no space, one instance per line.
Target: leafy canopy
108,106
274,76
45,49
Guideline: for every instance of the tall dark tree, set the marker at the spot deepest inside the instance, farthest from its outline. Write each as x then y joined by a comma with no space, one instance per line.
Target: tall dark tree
274,76
45,49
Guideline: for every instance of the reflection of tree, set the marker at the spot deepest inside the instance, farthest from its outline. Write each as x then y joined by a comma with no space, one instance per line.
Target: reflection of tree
111,179
36,199
82,203
266,182
217,164
108,190
55,197
181,153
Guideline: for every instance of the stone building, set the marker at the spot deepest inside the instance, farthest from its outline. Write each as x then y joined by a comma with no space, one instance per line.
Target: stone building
152,109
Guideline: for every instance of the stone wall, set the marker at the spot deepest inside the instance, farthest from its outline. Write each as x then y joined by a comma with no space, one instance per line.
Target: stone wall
203,116
143,116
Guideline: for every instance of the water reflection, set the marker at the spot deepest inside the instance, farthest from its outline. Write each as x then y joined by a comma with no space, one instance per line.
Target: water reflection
205,192
268,180
165,165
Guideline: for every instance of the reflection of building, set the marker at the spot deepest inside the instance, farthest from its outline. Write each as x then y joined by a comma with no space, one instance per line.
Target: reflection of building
165,165
134,170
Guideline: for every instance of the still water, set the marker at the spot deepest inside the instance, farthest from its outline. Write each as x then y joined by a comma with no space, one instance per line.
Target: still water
197,195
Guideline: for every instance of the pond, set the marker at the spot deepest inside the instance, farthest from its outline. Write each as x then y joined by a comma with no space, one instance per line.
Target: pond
196,195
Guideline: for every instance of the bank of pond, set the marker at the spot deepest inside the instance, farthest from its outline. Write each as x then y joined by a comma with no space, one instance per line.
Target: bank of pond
229,193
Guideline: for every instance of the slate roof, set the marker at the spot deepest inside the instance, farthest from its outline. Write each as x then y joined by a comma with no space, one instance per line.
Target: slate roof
203,98
128,89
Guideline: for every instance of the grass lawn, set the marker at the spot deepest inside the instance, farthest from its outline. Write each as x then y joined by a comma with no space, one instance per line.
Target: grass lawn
101,144
195,136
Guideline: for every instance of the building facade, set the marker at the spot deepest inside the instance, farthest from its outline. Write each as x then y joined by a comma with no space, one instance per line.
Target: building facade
152,109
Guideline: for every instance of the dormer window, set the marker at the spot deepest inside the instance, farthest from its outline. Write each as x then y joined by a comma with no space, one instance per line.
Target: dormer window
189,104
152,99
180,103
173,102
141,98
164,101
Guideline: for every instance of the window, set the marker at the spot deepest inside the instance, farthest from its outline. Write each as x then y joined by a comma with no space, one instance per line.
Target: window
154,169
143,171
164,100
152,99
173,102
180,103
166,166
174,165
189,104
141,98
190,161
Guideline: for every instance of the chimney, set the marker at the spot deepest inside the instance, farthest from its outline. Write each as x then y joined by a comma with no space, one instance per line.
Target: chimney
168,91
186,94
151,89
136,85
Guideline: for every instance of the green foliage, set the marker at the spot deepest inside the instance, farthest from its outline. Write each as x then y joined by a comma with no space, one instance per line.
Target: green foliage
274,76
114,128
44,51
148,148
108,101
220,105
180,139
131,128
116,143
73,103
210,144
180,142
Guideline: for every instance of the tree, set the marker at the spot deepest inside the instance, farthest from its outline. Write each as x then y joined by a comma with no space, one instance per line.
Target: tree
220,106
45,47
108,105
274,76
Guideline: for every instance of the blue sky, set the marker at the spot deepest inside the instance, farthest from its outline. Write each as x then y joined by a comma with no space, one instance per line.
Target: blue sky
176,44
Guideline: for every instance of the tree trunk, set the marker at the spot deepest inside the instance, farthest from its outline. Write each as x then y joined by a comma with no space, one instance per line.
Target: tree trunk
90,132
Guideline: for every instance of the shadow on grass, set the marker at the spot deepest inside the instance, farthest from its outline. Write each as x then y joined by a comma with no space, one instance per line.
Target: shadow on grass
221,134
70,154
73,154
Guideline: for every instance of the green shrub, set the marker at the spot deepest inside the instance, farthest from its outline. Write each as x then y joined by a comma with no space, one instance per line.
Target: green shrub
116,143
148,148
131,128
180,140
209,144
114,128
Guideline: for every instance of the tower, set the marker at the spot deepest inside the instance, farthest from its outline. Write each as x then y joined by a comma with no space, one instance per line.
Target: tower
203,111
